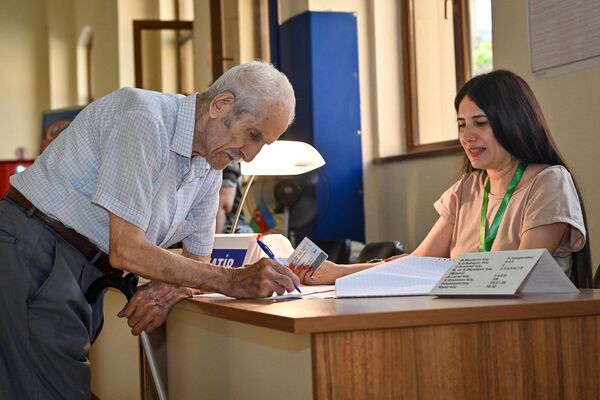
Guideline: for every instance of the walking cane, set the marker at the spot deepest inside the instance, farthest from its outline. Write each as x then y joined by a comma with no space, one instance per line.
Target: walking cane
128,285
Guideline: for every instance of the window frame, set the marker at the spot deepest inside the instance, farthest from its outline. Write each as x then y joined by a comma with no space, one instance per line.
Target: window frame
460,16
155,25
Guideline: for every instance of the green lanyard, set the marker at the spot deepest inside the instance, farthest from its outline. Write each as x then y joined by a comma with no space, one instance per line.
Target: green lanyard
486,241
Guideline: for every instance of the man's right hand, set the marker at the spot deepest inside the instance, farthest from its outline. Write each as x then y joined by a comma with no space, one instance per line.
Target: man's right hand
260,279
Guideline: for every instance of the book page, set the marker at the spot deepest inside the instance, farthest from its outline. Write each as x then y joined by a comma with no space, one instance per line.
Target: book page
405,276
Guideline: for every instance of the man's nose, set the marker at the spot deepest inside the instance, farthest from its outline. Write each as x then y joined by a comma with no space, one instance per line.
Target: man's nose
250,152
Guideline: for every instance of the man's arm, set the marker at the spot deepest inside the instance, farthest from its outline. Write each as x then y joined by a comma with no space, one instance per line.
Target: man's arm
174,275
130,251
152,303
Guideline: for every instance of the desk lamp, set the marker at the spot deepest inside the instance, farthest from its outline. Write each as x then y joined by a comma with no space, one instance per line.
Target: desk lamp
283,157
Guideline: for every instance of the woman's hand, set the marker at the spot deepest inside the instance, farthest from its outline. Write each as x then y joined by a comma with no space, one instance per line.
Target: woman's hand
326,274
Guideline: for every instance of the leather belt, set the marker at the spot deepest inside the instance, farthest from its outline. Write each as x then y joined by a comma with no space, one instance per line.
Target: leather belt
94,255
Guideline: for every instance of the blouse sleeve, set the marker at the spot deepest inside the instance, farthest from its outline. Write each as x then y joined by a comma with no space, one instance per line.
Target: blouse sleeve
554,199
447,204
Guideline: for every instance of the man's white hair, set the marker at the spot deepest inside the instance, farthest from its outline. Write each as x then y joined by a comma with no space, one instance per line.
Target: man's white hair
256,86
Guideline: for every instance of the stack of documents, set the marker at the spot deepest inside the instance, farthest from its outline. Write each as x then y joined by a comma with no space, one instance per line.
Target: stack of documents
406,276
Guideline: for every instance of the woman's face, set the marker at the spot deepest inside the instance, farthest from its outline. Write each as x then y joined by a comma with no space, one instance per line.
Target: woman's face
477,138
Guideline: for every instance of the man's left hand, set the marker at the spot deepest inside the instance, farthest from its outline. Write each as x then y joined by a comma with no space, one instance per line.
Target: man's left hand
149,307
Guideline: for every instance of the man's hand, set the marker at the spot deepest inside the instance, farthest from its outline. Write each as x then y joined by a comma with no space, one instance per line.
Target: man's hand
260,279
149,307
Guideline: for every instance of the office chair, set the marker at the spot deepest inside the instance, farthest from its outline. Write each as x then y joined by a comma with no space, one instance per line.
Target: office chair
377,251
338,250
581,273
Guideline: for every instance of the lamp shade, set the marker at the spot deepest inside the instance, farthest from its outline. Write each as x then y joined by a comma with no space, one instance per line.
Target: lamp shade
284,157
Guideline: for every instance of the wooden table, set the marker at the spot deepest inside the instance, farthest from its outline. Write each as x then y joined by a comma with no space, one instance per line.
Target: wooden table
543,347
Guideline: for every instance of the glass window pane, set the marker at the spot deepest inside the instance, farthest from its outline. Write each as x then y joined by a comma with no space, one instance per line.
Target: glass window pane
435,72
481,36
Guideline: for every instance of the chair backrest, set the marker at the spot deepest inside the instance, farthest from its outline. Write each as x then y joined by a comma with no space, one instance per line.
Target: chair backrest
380,251
597,278
581,271
338,250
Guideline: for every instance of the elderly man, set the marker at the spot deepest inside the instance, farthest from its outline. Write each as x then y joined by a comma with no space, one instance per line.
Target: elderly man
135,172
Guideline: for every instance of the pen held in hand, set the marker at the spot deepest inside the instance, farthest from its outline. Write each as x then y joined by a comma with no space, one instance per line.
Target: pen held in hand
269,253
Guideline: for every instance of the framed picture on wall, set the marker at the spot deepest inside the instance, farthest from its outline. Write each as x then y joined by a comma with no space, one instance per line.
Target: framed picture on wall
54,122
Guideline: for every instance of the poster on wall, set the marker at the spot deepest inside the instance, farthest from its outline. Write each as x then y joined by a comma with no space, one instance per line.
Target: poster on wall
54,122
564,36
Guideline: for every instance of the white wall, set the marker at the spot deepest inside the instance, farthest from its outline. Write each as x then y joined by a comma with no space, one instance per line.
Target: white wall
571,104
24,71
62,53
202,46
129,10
399,196
102,17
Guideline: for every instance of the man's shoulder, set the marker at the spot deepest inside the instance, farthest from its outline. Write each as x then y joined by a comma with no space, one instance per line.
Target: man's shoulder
135,99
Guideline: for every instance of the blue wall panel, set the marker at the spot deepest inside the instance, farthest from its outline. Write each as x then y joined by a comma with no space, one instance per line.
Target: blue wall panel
319,54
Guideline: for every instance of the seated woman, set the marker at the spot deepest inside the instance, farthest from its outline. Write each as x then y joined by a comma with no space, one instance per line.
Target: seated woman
516,193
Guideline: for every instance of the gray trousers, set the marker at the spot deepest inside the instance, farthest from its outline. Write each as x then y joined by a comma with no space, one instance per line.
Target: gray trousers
46,325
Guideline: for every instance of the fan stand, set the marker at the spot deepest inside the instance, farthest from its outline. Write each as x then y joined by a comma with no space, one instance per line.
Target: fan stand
287,193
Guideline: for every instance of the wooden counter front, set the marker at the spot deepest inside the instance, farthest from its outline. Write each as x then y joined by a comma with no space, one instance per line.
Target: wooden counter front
386,348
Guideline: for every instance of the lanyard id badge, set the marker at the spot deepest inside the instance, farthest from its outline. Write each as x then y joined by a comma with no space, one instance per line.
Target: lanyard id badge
486,240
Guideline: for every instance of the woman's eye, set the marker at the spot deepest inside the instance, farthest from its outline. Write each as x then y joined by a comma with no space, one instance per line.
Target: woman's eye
481,123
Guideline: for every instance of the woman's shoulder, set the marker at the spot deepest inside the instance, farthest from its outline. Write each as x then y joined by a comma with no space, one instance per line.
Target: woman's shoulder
550,178
472,179
545,172
467,184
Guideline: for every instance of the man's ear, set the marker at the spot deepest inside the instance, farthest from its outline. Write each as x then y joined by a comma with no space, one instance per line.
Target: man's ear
221,104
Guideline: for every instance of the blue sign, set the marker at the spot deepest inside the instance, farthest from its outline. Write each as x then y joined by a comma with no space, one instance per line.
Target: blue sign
228,257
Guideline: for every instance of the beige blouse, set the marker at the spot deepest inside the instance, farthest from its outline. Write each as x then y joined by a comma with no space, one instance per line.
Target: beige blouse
547,198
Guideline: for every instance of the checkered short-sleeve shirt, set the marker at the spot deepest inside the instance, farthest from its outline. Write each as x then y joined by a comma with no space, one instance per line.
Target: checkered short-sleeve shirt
130,154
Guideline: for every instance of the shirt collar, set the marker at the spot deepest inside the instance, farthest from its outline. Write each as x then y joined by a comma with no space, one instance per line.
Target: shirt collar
184,129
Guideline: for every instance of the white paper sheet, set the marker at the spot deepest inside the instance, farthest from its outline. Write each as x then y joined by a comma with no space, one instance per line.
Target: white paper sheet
320,291
406,276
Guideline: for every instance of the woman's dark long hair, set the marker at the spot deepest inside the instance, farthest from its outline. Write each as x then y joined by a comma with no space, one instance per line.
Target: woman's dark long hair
518,123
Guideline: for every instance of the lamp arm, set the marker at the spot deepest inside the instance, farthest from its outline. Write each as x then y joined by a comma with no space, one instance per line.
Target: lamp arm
241,205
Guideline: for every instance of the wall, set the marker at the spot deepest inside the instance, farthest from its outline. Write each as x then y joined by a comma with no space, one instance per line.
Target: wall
129,10
62,54
24,71
405,190
571,104
202,46
102,17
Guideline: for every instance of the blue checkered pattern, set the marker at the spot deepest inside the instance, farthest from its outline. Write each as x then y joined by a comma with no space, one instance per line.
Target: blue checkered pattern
129,153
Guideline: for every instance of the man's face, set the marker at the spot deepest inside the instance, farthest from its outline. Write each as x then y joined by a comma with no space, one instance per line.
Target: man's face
243,138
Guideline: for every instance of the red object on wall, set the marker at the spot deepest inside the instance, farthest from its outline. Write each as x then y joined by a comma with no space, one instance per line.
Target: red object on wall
9,168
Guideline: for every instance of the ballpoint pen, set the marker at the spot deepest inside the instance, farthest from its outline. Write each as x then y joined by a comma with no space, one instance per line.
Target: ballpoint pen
267,250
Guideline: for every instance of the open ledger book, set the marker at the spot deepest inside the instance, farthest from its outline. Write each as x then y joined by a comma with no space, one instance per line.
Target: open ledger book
406,276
